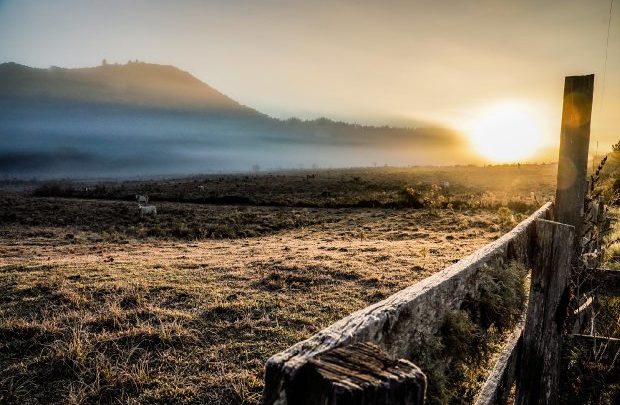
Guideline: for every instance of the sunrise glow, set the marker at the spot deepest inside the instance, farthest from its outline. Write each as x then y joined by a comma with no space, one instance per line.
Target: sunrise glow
505,132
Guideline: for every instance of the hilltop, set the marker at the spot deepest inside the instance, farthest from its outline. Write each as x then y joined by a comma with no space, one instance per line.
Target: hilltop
135,83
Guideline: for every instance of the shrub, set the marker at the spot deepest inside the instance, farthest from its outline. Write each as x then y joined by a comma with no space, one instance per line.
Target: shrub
453,360
505,217
502,295
412,198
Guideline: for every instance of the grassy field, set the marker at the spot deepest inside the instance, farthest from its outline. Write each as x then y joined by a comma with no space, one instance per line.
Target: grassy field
520,187
100,306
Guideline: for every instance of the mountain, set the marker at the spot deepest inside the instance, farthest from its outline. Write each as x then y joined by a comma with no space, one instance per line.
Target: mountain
135,84
147,119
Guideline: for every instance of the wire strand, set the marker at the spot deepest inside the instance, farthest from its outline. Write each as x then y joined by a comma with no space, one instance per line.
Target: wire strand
611,7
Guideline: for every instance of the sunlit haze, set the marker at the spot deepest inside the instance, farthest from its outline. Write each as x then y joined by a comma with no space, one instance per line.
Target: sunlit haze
399,63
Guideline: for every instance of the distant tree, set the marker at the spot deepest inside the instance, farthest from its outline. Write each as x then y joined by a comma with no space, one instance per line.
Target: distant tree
104,62
616,147
255,168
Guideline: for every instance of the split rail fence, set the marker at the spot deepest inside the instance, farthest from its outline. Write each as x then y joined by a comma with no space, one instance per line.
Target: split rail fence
365,358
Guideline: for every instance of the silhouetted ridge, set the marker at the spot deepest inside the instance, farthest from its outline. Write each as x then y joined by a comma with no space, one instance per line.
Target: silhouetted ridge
134,83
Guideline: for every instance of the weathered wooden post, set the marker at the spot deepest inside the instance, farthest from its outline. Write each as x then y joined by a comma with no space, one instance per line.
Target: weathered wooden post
557,247
572,169
359,374
539,371
574,145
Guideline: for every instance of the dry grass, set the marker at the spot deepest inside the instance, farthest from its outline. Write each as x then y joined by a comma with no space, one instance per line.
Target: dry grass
95,307
107,220
165,321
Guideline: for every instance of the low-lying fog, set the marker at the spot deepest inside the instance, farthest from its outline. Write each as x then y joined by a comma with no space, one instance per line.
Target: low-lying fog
51,139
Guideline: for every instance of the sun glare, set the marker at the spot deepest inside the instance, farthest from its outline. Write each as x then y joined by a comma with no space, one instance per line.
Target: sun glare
506,132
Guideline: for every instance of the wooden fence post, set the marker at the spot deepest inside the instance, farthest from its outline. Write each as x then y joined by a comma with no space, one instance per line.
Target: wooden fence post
539,369
574,145
359,374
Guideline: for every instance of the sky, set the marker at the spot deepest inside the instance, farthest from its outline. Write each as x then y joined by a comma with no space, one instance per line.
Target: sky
374,62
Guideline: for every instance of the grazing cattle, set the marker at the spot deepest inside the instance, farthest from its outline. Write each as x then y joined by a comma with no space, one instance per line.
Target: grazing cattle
142,199
147,210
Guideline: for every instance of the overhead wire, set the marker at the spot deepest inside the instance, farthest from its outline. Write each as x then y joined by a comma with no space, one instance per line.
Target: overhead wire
602,97
611,7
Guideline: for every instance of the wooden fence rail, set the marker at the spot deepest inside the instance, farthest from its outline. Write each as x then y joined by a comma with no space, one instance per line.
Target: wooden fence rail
399,323
496,388
605,350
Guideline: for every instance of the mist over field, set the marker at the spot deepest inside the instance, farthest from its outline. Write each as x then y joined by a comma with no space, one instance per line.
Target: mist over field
141,119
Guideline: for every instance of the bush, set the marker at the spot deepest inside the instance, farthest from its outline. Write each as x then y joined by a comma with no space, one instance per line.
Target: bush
502,296
412,198
454,359
505,217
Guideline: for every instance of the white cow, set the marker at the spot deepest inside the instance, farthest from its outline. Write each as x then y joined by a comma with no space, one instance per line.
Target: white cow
142,199
147,210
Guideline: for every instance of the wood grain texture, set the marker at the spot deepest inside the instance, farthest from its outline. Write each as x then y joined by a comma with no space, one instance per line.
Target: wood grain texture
574,146
360,374
539,370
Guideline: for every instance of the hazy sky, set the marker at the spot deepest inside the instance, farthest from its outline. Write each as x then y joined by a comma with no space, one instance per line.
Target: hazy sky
393,62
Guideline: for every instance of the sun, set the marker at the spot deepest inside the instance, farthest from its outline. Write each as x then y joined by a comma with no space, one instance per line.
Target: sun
505,132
